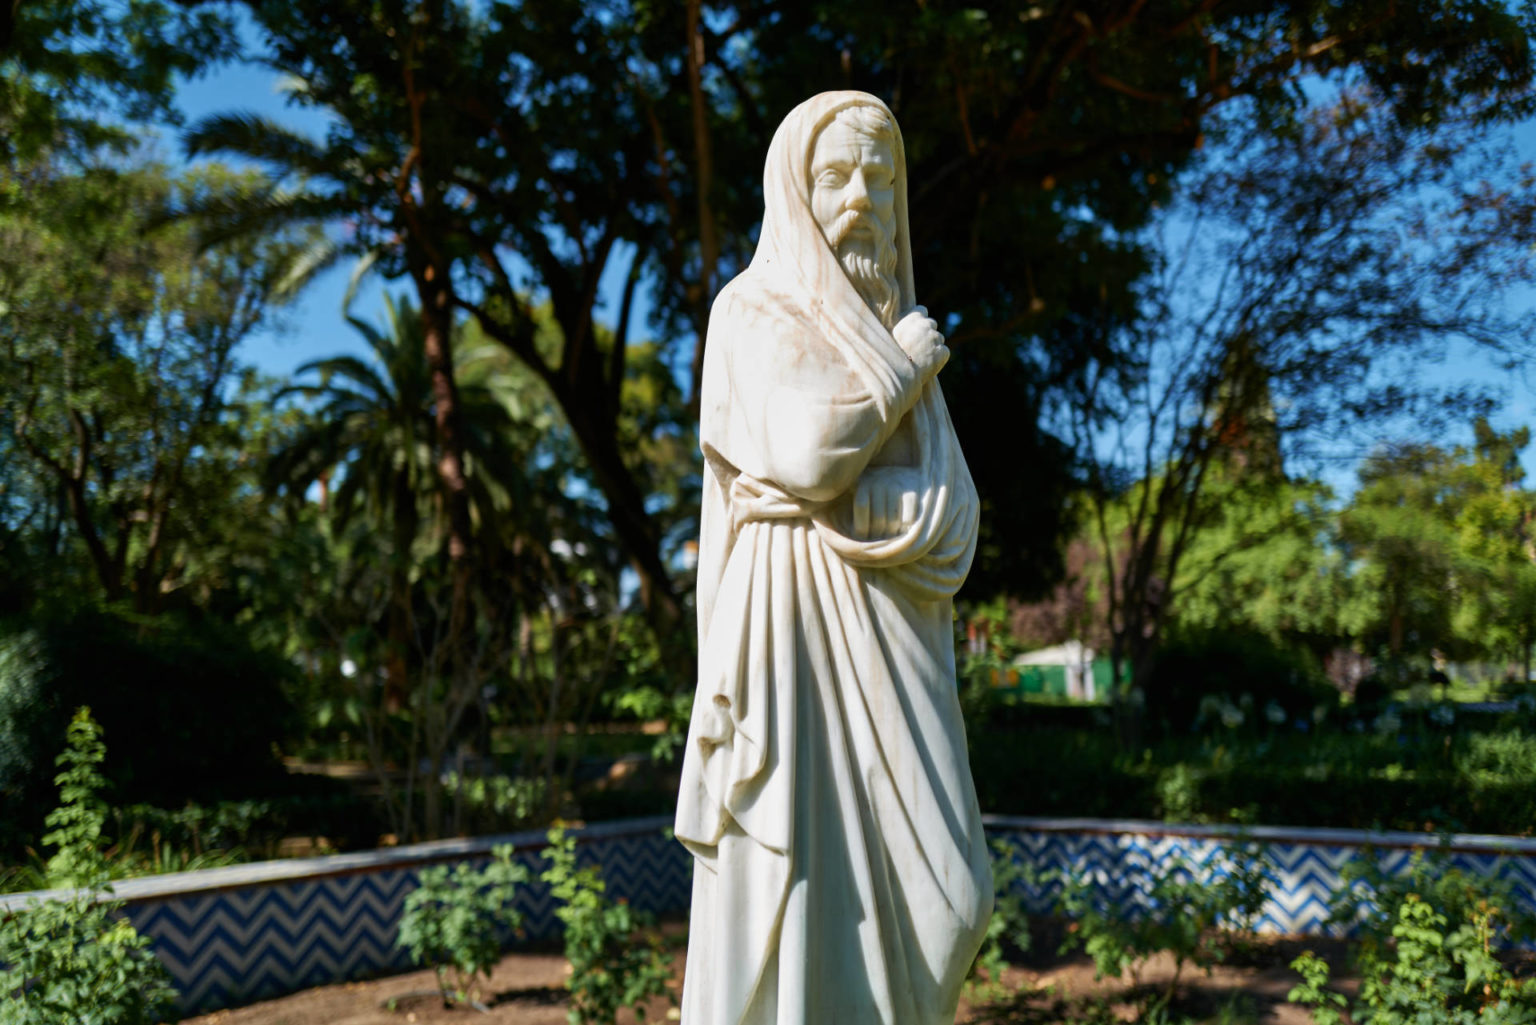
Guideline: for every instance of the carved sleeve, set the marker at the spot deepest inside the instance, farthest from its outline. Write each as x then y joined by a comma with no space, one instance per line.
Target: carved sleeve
813,423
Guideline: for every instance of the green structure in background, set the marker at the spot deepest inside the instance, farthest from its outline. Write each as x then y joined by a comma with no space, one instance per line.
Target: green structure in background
1068,670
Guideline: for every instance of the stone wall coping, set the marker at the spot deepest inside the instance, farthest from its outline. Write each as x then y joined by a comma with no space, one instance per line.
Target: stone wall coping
1471,843
265,873
211,880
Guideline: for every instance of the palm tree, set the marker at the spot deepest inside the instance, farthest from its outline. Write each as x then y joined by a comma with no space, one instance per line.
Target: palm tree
371,443
372,420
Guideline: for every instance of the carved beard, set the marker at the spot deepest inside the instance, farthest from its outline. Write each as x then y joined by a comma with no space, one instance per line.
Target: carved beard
870,263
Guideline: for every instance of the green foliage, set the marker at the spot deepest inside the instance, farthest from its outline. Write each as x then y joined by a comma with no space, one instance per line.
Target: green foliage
76,959
76,70
1439,970
75,826
496,803
454,921
611,966
1230,679
1182,915
1473,776
649,703
1368,895
1008,926
147,682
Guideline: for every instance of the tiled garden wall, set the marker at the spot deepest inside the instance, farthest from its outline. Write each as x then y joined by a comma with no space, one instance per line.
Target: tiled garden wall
233,935
1122,857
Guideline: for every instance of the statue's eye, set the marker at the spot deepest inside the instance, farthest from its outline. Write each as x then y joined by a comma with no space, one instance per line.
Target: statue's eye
831,178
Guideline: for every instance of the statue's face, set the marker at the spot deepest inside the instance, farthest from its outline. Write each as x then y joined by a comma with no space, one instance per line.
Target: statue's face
853,179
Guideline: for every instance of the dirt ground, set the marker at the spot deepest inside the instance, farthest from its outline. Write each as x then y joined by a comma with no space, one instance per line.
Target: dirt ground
529,989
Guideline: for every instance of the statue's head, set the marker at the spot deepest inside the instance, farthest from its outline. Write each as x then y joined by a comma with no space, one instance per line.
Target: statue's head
852,190
835,198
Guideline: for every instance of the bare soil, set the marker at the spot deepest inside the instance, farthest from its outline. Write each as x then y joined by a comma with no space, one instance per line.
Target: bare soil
528,988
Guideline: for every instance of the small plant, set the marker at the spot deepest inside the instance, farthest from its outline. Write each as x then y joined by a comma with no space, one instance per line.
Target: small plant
1008,925
1369,897
497,802
1182,915
1432,975
453,921
610,967
76,959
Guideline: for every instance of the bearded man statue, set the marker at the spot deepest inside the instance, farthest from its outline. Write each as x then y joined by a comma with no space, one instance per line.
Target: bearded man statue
841,872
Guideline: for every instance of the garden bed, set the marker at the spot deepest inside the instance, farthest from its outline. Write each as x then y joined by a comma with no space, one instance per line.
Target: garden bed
527,988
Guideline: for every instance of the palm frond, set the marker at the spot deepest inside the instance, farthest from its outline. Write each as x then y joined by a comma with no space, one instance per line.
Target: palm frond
259,138
307,263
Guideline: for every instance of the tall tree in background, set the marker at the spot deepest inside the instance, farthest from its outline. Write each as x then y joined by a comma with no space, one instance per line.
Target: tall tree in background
497,157
1040,141
1306,273
119,340
1496,531
76,75
529,145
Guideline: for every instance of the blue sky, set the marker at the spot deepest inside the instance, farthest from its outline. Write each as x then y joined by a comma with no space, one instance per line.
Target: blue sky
315,327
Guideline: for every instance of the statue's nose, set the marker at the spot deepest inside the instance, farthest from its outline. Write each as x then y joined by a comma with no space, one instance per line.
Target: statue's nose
858,194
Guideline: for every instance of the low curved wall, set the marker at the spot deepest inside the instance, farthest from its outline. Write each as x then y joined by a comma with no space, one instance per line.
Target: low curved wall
1120,856
235,935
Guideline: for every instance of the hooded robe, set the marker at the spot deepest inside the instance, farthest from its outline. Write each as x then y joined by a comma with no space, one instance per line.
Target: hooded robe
841,872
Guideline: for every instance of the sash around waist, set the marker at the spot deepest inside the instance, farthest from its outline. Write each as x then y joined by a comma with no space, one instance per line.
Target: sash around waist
752,500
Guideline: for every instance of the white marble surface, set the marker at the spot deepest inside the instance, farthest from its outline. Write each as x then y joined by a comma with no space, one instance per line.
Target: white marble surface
842,874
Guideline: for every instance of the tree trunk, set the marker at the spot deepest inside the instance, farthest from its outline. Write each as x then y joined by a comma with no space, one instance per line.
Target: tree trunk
437,316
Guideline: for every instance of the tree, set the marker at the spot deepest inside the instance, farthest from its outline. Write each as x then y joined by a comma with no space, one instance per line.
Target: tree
77,73
1494,531
1304,272
1041,141
465,136
120,340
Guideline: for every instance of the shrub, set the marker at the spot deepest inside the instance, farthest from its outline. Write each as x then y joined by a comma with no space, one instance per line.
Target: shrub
493,804
76,959
1181,915
1369,897
454,920
1233,679
1430,975
610,966
195,710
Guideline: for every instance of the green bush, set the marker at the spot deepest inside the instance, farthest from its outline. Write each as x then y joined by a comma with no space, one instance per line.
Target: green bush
76,959
1368,894
1183,915
194,709
455,919
1431,974
1232,679
1422,779
495,804
611,966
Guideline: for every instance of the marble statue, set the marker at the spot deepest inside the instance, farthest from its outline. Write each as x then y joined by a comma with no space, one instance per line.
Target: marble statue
841,875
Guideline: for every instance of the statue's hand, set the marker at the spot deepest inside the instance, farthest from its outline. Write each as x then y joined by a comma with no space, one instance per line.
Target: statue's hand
919,337
885,501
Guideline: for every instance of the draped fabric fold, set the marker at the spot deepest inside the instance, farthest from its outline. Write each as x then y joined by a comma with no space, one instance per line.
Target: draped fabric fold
841,871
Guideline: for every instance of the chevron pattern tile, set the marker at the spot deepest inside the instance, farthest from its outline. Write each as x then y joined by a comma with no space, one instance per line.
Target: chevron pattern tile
237,945
232,936
1122,867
